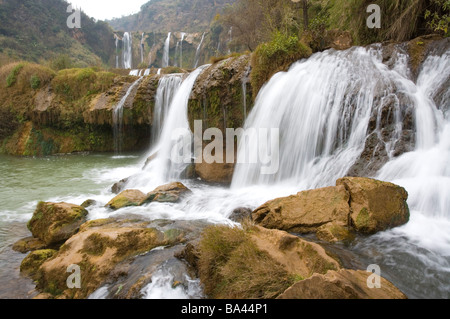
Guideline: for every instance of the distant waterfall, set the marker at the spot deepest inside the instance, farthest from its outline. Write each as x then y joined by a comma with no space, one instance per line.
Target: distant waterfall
197,53
118,119
142,47
183,35
167,88
230,39
116,38
165,62
127,51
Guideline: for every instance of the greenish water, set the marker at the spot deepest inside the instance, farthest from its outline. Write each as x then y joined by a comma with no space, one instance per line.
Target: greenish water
26,181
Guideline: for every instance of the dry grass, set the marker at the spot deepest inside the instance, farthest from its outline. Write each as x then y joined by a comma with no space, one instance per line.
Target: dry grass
232,267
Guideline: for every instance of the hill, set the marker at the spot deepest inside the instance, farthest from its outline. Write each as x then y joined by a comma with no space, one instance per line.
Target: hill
172,15
36,30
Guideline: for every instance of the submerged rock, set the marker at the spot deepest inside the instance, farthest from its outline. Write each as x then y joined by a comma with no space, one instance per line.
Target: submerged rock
241,214
342,284
54,223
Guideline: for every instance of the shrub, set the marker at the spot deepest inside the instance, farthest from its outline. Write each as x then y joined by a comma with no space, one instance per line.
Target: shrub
275,56
35,82
12,77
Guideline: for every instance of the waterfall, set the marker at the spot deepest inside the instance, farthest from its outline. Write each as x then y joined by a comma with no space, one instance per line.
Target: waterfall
230,39
127,51
197,53
245,82
142,47
165,62
324,106
167,88
118,119
175,132
183,35
116,38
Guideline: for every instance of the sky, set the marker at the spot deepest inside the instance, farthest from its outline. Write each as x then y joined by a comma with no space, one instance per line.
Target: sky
108,9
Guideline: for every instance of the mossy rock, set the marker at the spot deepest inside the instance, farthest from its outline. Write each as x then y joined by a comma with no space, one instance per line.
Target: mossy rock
130,197
54,223
34,260
375,205
28,244
169,193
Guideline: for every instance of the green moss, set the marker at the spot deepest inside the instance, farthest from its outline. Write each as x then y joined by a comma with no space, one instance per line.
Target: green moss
316,263
34,260
363,219
96,245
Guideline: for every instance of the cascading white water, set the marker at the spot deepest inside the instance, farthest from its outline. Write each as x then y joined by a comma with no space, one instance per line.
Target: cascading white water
230,39
183,35
118,118
167,88
175,131
197,53
245,81
116,40
322,107
127,51
165,62
142,47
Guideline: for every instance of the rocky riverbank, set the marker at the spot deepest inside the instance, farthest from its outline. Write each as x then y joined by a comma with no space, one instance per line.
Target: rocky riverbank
257,258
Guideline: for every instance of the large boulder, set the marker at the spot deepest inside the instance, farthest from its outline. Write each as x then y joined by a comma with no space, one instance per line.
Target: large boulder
342,284
356,204
98,248
305,212
253,262
54,223
130,197
169,193
375,205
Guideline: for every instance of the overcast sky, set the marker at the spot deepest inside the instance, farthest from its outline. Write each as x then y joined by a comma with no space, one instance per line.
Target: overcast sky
108,9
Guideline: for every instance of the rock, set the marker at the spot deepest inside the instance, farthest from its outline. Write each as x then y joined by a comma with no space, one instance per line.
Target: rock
97,249
305,212
333,233
298,256
119,186
28,244
88,203
241,214
54,223
170,193
34,260
342,284
216,172
130,197
375,205
254,262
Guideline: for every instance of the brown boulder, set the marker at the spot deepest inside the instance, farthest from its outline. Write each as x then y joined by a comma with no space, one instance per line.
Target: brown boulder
375,205
54,223
305,212
342,284
169,193
28,244
130,197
